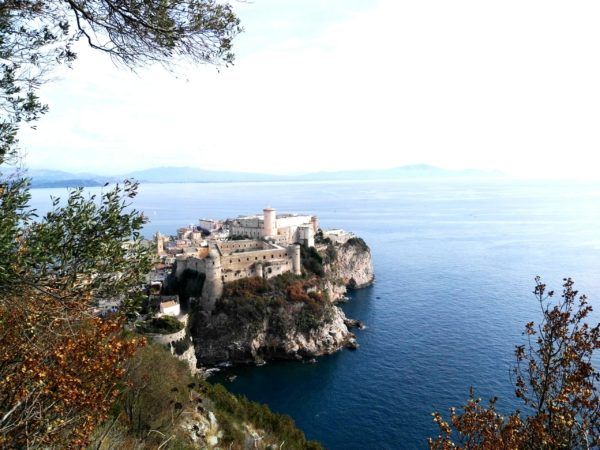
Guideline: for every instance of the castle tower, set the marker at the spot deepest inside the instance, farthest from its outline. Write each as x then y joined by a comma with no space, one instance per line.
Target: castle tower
160,244
213,285
269,222
295,254
315,224
260,270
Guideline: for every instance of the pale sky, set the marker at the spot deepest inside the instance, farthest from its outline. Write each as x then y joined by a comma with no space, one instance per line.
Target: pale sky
348,84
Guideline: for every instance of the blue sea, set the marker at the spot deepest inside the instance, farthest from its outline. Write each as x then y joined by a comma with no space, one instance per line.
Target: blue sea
455,262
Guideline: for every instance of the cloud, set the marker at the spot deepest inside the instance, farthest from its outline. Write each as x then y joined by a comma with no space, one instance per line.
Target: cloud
509,86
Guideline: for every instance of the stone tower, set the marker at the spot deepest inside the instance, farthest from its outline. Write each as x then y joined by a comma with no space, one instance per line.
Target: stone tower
269,222
160,244
213,285
295,254
259,270
315,224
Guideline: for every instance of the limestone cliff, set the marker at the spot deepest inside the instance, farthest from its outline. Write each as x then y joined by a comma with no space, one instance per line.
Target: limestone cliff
346,266
242,334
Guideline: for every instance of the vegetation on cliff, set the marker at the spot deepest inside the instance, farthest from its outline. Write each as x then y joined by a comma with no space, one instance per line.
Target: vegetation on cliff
312,261
165,405
286,302
160,325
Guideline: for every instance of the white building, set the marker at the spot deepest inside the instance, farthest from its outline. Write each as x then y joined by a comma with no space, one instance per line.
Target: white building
170,308
284,229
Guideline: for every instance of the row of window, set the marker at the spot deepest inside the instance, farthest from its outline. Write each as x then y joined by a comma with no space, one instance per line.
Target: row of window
255,258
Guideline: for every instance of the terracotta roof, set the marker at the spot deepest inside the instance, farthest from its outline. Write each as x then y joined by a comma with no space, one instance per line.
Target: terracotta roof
168,304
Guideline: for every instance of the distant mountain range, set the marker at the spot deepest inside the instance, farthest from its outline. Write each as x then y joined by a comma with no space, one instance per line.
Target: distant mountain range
57,178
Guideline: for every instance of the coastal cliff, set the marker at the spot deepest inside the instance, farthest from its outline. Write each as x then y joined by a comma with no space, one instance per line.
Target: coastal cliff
288,317
347,265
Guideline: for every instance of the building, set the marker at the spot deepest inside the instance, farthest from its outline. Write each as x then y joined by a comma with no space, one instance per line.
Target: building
264,245
283,229
170,308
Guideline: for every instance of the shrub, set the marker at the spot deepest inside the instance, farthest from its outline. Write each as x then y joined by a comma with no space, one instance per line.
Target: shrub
312,261
357,242
554,376
160,325
180,346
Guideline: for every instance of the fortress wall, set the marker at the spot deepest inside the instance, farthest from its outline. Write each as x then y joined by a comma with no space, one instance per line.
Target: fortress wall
240,261
246,244
236,230
193,263
270,270
166,339
239,274
278,268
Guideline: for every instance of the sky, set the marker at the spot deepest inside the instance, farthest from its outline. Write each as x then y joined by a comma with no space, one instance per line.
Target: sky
348,84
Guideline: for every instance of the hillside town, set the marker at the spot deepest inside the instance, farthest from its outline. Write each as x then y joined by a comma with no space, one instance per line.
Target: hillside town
260,245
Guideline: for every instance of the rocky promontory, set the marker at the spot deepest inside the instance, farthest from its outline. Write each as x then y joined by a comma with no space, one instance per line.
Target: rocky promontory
287,317
347,265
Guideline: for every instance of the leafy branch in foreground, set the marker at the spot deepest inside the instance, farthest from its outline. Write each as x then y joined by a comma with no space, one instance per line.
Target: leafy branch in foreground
554,376
60,364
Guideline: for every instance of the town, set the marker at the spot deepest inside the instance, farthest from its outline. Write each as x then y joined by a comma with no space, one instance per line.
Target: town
261,245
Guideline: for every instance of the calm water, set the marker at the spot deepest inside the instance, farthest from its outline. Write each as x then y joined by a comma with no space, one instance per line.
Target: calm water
454,262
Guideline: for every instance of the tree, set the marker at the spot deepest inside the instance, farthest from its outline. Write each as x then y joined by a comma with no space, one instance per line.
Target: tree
35,35
61,365
554,376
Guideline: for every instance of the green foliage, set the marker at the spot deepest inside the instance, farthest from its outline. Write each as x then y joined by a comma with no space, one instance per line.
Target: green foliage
181,345
163,391
87,245
321,239
357,242
89,248
232,409
287,301
160,325
312,261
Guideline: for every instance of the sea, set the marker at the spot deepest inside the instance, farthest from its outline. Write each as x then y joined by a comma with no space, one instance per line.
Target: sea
455,262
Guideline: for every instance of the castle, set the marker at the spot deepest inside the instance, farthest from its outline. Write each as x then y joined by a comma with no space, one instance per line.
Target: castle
263,245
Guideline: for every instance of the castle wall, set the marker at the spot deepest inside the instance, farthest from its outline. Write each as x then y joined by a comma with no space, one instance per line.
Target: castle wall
241,261
243,245
293,221
254,232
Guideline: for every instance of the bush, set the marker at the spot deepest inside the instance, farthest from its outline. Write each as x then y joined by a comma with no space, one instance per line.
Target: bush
553,375
160,394
160,325
312,261
180,346
357,242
